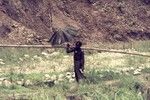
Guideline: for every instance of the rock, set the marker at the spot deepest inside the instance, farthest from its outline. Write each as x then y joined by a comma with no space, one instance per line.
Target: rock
6,83
56,82
54,77
55,54
20,59
47,75
26,56
45,54
19,83
28,82
132,68
139,70
60,79
136,72
2,63
61,76
1,60
71,80
3,78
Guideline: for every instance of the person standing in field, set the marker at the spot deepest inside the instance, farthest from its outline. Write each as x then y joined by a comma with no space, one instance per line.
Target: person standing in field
78,60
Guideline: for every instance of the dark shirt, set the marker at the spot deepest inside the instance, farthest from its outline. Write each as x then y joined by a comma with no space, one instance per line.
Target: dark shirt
78,55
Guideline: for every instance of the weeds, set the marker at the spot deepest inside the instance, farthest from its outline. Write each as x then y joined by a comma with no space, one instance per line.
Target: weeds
44,75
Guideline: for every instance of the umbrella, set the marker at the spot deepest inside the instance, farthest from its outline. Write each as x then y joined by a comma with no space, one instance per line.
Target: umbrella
59,37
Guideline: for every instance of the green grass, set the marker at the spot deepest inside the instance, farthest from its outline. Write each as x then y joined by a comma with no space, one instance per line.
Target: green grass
141,46
107,77
94,87
146,70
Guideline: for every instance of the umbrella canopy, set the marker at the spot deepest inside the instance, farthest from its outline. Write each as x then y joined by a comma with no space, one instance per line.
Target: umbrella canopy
59,37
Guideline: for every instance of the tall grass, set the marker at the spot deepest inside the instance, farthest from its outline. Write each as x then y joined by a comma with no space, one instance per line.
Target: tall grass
105,75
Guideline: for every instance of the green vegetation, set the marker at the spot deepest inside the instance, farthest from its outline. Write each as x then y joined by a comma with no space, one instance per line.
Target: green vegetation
41,74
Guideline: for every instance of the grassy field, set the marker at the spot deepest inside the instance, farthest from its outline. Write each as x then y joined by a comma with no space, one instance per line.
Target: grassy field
42,74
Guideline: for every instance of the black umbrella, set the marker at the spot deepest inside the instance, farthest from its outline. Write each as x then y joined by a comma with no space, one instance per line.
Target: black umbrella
59,37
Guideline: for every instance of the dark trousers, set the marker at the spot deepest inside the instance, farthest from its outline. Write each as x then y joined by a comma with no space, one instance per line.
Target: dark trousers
77,69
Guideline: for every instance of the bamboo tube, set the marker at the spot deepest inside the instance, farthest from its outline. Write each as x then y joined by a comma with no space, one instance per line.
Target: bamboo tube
84,48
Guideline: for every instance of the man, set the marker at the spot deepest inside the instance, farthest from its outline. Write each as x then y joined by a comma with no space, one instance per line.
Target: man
78,60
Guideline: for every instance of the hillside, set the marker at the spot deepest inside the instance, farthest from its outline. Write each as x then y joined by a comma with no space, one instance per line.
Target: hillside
31,21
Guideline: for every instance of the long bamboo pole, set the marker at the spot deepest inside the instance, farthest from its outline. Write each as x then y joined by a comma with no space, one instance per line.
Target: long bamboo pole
84,48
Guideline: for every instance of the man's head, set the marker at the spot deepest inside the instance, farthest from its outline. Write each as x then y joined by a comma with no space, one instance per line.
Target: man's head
78,44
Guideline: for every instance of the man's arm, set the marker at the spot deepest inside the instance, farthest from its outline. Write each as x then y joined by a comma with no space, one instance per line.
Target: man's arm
69,49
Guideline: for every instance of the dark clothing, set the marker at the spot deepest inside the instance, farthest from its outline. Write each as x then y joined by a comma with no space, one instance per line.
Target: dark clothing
78,62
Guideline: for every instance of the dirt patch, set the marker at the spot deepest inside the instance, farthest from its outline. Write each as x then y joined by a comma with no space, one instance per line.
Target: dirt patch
4,31
139,35
96,20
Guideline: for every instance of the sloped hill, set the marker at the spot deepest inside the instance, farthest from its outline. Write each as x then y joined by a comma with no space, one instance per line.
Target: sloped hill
31,21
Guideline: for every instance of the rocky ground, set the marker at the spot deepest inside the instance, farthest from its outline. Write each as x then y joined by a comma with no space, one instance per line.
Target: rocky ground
31,21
